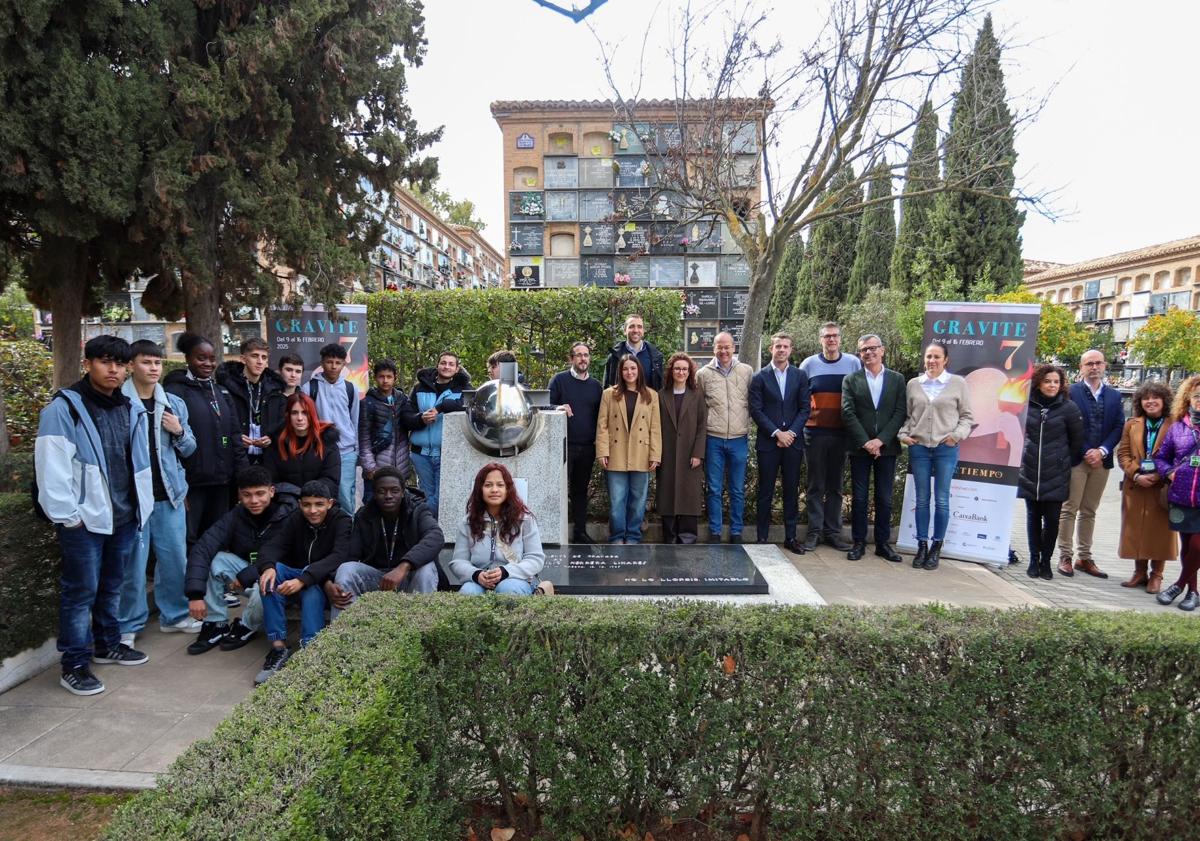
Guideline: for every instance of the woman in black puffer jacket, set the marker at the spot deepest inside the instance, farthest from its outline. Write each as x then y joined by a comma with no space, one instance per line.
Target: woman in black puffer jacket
307,449
1053,445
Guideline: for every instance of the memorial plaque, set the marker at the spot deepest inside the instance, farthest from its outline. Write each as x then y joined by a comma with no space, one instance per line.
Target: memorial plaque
637,270
560,173
666,271
562,272
562,207
633,172
632,238
527,276
646,569
700,303
668,136
699,336
633,204
156,333
525,206
596,271
139,312
667,205
525,239
733,304
745,170
597,238
596,172
704,237
735,271
630,141
595,206
668,238
740,138
700,271
735,329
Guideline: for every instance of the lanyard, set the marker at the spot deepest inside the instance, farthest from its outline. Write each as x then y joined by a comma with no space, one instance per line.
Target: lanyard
389,543
1152,430
254,393
213,402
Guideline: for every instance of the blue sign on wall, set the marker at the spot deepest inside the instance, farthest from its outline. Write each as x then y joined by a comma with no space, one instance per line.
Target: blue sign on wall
525,141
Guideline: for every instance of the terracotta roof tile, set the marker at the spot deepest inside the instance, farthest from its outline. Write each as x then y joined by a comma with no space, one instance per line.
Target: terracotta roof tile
608,106
1139,255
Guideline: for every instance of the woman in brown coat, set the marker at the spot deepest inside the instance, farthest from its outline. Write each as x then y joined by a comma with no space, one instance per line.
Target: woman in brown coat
1146,536
629,448
684,416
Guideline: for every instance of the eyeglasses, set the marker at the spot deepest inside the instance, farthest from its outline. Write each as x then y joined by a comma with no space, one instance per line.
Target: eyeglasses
831,336
683,370
870,349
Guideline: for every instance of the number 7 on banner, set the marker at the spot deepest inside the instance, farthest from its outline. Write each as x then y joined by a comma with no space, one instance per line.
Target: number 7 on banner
1015,345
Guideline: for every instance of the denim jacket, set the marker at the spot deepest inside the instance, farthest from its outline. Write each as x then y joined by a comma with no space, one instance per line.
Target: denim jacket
72,473
170,448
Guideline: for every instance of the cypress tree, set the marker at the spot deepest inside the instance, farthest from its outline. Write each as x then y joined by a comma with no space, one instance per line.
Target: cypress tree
876,238
787,278
979,231
825,273
922,173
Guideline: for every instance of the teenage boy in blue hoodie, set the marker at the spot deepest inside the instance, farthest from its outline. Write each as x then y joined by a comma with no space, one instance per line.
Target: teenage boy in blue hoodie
337,403
94,483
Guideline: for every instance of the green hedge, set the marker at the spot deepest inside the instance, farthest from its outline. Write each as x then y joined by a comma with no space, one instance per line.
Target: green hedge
29,566
413,327
26,372
411,716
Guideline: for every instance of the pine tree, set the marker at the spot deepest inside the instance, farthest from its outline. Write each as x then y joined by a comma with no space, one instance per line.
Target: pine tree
829,258
922,173
876,238
970,231
787,279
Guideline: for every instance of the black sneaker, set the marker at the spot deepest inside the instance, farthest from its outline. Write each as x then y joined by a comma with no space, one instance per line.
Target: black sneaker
238,636
210,636
276,659
120,654
81,681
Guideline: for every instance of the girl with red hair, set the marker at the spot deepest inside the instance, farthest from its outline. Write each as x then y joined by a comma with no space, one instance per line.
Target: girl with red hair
306,449
499,547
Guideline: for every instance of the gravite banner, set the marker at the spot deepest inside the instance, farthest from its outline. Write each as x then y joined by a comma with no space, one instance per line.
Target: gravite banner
304,332
993,346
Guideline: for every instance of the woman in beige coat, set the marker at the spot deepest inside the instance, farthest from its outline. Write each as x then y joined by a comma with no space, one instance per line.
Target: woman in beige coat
684,416
1146,535
629,447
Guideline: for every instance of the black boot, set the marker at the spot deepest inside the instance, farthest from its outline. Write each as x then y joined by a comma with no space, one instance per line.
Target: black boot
935,551
1046,570
1035,565
922,552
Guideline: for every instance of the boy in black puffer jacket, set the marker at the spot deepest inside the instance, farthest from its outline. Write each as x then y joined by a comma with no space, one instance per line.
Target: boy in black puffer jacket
250,382
386,418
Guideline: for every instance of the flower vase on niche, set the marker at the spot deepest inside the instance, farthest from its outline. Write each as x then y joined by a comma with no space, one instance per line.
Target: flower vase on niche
587,237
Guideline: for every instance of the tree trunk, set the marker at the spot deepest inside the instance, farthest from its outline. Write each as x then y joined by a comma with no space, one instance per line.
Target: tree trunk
202,303
66,311
762,284
3,428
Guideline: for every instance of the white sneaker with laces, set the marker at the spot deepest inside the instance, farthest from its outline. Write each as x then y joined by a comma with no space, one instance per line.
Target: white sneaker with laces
186,625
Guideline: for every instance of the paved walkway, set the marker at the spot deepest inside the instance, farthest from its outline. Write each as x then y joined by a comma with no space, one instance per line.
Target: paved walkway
151,713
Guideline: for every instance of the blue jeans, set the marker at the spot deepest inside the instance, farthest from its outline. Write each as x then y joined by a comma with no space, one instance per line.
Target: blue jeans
348,484
224,568
507,587
626,504
93,567
428,467
167,531
312,607
933,465
719,452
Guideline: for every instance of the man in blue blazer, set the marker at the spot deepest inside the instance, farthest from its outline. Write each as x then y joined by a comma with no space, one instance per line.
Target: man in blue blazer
1103,420
779,404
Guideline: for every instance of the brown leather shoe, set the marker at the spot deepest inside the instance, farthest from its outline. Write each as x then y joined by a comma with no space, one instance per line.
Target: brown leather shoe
1154,583
1064,566
1086,565
1139,574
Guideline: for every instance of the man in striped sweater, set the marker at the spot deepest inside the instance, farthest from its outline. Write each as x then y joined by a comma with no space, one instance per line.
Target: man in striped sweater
825,437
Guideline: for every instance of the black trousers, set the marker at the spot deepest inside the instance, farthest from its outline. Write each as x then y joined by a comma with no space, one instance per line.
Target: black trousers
680,528
205,505
771,462
580,459
1041,523
826,456
884,470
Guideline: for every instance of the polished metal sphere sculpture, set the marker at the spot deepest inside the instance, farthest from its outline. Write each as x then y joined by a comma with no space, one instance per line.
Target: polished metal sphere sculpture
501,420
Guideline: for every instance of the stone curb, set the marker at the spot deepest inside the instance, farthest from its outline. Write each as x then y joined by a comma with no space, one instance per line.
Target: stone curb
33,775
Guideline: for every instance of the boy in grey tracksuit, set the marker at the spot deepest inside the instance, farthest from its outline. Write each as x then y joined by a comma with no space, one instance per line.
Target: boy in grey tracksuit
337,402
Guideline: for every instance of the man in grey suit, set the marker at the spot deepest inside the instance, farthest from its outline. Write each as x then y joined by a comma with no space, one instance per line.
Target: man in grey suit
873,410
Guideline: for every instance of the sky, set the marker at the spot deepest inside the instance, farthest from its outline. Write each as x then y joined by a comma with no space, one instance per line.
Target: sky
1113,147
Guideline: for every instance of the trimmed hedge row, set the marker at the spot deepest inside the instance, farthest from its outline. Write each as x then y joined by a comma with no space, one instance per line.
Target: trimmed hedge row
29,567
576,718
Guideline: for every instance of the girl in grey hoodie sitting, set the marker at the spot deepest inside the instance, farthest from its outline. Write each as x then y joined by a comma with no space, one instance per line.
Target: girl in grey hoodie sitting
498,547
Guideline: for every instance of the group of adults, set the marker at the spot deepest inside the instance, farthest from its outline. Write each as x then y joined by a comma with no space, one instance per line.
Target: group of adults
1074,436
241,479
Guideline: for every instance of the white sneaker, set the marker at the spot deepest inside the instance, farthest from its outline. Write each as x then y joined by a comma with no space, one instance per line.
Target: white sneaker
128,639
186,625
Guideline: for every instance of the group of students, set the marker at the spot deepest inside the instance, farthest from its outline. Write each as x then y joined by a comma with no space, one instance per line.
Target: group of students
240,478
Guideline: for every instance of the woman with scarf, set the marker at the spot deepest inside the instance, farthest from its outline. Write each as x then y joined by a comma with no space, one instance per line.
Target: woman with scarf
219,454
499,547
1146,536
1178,459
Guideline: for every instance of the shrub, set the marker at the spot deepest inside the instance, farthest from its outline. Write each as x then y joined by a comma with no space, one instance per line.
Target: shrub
29,566
413,327
413,715
26,373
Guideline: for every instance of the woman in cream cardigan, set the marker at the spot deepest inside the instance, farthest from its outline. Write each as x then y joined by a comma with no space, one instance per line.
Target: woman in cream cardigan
939,417
629,447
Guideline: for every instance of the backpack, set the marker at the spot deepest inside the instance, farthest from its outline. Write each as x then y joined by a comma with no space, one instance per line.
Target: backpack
38,511
351,393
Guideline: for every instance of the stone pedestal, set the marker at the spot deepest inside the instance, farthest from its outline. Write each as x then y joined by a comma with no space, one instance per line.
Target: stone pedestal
541,470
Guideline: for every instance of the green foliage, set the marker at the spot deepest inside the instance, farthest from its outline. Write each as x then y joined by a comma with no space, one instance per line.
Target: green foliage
975,226
16,314
923,173
412,328
830,254
29,565
572,717
877,313
1060,337
1169,340
787,278
26,371
876,238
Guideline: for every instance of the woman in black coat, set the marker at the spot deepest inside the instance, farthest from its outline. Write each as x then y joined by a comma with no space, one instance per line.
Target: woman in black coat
213,416
1053,445
306,449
